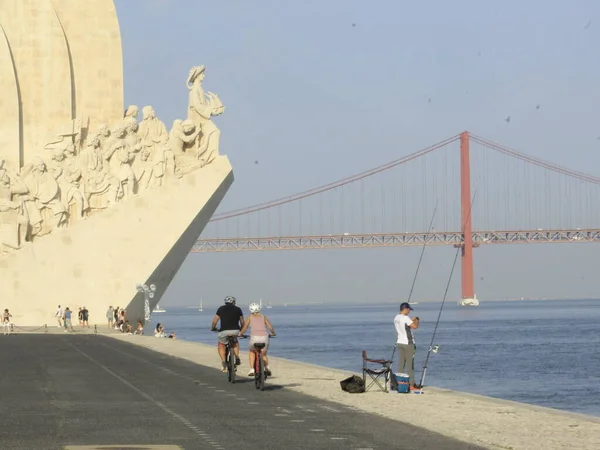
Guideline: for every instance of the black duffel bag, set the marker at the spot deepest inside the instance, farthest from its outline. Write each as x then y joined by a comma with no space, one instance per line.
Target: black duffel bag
353,385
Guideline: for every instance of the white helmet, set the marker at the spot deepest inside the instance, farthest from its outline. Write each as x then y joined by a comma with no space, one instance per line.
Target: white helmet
254,308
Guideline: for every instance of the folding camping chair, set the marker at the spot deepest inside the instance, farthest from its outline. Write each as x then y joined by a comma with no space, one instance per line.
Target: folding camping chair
384,368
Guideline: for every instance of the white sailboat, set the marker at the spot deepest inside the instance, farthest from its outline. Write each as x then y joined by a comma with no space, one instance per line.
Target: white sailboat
269,305
260,303
158,309
201,308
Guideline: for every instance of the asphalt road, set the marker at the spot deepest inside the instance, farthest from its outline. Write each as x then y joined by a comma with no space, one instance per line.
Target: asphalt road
67,391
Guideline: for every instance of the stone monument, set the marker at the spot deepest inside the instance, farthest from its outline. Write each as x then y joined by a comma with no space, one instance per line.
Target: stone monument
94,198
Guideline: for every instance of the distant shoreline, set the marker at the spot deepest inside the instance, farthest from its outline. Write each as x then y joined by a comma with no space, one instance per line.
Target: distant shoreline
390,302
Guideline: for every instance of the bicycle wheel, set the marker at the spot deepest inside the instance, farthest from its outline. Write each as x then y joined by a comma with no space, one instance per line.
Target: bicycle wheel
256,370
260,376
231,366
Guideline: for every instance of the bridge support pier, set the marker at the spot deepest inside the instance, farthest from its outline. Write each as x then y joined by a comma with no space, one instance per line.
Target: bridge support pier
468,289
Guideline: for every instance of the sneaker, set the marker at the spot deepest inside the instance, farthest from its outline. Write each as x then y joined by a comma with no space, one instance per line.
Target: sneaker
237,361
251,373
224,368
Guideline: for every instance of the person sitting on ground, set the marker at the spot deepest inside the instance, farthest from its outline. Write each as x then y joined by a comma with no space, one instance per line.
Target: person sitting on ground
232,319
140,328
127,328
406,343
258,324
159,331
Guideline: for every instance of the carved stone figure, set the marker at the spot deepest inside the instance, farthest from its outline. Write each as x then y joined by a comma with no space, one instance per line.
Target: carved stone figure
183,140
103,135
72,134
119,157
131,111
68,176
154,136
100,186
132,138
79,175
202,106
44,207
134,143
14,219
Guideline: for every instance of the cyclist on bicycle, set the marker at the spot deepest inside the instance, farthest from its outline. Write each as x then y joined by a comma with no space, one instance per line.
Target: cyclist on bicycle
258,324
232,319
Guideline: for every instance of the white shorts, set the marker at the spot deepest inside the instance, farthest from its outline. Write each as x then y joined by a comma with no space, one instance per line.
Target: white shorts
259,340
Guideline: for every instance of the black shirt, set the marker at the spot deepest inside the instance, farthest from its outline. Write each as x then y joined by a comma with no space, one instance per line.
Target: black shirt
230,317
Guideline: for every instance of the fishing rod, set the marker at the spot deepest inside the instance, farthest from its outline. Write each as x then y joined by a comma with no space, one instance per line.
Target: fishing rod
423,251
443,302
420,260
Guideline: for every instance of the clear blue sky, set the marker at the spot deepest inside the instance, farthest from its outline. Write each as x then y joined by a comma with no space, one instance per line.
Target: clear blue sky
314,98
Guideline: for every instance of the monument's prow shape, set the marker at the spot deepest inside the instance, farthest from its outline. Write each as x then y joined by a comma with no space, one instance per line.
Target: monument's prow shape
93,200
97,263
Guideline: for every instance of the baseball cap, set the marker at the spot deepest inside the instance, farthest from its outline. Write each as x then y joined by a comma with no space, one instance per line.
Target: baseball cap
405,305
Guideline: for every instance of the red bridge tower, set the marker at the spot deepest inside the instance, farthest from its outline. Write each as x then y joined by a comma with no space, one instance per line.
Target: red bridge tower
468,290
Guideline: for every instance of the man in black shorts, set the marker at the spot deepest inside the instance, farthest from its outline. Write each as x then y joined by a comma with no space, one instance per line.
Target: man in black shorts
232,320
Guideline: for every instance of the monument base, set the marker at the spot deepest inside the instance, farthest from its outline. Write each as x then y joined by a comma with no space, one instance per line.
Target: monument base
97,262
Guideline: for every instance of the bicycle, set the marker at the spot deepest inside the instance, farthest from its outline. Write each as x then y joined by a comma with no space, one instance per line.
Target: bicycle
230,356
260,374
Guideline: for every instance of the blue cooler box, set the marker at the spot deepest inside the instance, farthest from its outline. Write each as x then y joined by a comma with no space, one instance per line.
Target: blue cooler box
403,383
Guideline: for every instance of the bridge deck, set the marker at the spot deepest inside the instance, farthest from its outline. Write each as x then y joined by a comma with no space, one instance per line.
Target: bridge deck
394,240
73,390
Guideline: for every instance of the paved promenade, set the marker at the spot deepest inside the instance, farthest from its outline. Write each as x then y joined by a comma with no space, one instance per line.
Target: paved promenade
70,390
488,422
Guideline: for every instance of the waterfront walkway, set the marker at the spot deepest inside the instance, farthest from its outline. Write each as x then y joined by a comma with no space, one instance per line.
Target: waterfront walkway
69,390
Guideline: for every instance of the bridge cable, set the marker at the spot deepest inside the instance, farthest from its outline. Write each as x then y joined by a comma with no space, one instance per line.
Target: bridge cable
444,299
420,259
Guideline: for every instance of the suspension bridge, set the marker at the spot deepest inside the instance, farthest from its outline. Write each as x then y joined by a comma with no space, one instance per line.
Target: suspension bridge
477,192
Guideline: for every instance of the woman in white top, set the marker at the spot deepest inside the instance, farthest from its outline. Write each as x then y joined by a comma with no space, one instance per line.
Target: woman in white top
258,324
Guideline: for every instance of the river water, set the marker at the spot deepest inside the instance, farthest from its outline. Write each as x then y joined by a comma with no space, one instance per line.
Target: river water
539,352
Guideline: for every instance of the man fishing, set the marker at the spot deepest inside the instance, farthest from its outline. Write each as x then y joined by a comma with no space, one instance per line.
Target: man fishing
406,343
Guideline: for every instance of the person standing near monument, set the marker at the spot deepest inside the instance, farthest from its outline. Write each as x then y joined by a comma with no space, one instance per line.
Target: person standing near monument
59,314
110,316
85,316
405,343
6,321
67,319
